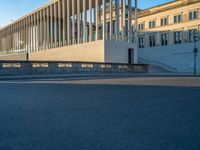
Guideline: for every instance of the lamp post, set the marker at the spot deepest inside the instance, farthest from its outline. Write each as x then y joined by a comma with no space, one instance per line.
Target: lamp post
195,51
136,33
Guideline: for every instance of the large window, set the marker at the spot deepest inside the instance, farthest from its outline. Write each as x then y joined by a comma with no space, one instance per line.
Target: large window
164,39
141,42
152,41
177,18
193,15
177,37
141,26
152,24
192,34
164,21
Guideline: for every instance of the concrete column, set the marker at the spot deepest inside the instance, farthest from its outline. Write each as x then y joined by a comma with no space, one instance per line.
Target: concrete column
10,38
33,33
59,23
18,36
97,18
130,21
26,20
44,28
31,23
29,37
6,40
104,19
47,26
111,20
84,21
73,22
51,25
78,21
68,23
121,20
55,26
64,21
34,20
117,19
124,21
29,33
13,28
21,34
90,25
40,33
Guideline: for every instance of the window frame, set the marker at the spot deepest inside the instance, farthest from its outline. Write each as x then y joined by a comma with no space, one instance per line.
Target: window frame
178,37
152,24
164,21
141,40
152,40
193,14
165,40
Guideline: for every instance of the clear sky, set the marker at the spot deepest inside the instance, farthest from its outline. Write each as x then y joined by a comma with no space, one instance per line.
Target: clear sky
13,9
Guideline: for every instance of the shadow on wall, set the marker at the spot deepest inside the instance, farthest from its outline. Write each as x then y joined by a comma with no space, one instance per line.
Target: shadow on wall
179,56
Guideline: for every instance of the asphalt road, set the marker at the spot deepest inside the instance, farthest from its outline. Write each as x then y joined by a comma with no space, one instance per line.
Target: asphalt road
100,114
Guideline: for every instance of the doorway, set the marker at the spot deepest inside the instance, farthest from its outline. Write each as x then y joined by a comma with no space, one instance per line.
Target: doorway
130,55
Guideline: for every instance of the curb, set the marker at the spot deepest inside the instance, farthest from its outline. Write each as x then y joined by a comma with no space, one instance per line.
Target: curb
26,77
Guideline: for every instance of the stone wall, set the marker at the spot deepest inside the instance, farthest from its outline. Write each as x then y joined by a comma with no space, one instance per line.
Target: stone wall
45,67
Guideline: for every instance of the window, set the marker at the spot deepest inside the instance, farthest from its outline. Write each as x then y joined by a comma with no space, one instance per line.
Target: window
192,33
164,39
141,26
141,42
193,15
152,41
177,37
177,18
152,24
164,21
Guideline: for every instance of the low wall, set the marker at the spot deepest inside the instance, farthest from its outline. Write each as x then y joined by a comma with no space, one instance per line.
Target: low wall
45,67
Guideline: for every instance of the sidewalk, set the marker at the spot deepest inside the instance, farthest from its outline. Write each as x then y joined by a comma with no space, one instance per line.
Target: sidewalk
112,75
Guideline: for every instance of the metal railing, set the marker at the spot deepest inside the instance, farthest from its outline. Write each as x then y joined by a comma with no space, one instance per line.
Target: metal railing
157,64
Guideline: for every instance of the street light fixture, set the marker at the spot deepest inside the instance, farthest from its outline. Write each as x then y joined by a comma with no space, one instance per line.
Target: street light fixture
195,51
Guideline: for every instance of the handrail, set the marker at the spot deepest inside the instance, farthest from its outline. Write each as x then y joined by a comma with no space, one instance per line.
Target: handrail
159,64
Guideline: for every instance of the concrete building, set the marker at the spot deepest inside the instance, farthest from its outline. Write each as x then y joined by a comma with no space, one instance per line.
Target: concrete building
104,31
73,30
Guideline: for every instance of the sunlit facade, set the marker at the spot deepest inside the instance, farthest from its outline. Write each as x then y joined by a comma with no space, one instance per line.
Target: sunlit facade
73,30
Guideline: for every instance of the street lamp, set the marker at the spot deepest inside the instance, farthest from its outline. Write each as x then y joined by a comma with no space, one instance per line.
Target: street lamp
195,51
136,33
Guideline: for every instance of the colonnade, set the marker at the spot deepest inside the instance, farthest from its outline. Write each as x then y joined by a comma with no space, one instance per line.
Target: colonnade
68,22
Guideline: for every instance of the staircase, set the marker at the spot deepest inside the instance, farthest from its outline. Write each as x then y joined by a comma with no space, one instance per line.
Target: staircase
157,67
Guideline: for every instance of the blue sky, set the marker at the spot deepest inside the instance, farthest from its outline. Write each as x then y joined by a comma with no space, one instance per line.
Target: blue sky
13,9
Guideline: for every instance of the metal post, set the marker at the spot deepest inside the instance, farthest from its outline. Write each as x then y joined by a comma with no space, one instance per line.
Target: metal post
195,51
136,33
